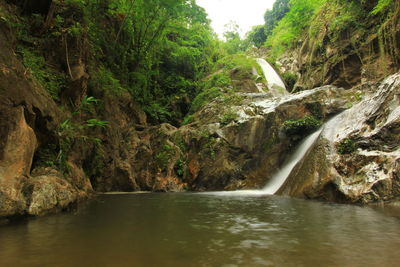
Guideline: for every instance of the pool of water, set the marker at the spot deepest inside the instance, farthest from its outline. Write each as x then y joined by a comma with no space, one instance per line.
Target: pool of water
205,230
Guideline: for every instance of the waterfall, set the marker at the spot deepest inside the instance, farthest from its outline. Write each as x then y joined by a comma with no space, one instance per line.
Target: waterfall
275,84
279,178
278,89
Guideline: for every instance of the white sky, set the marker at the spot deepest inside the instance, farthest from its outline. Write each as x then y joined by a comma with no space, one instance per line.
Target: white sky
246,13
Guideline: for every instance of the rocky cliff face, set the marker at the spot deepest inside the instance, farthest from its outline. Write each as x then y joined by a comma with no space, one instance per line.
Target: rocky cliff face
357,156
28,118
346,57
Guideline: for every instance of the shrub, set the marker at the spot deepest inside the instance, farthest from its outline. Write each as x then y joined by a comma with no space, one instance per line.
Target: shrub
48,77
188,119
205,97
301,127
347,146
104,80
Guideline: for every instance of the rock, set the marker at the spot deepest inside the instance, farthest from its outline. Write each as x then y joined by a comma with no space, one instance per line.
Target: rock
357,157
50,194
18,145
16,152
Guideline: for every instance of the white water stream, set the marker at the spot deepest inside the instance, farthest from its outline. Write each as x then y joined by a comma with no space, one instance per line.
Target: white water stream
277,180
280,177
275,84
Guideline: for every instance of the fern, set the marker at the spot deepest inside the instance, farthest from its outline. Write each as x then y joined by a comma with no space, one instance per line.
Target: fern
381,6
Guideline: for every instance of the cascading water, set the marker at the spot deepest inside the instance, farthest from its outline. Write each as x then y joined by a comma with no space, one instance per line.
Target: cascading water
278,89
275,84
280,177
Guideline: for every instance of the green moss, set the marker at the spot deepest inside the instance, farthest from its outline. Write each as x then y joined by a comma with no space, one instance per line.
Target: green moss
347,146
228,117
232,99
301,127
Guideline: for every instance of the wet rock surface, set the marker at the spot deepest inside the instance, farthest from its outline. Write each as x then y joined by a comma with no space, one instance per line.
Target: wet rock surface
357,156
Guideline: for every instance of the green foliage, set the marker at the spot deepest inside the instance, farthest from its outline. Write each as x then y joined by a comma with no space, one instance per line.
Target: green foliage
347,146
74,130
301,127
219,84
292,25
47,76
104,80
204,98
219,79
257,36
344,17
47,156
180,142
232,99
272,17
188,119
96,123
180,167
237,61
157,112
382,6
210,147
157,50
290,80
233,43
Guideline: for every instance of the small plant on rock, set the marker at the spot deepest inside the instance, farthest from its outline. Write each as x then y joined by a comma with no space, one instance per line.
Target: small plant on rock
228,117
347,146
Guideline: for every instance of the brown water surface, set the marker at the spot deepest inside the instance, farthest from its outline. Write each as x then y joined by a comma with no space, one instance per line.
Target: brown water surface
204,230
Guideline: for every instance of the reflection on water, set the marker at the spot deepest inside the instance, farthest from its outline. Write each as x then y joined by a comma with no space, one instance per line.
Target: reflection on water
204,230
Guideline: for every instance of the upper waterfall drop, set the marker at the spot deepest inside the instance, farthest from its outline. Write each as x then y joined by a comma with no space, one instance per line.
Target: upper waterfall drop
275,84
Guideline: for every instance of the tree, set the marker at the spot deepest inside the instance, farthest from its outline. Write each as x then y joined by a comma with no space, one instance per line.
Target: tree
233,43
272,17
257,36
